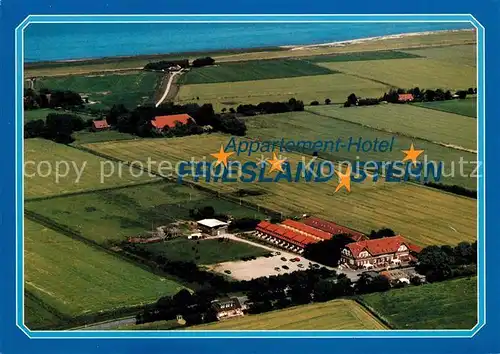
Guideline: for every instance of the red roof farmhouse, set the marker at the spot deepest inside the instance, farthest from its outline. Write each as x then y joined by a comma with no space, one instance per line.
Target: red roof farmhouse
405,97
161,122
100,125
377,253
333,228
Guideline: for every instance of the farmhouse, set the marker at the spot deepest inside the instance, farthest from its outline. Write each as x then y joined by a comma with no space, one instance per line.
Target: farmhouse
378,253
213,227
405,97
333,228
161,122
98,125
227,308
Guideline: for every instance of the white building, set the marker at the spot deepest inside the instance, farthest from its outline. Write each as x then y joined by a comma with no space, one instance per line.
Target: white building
213,227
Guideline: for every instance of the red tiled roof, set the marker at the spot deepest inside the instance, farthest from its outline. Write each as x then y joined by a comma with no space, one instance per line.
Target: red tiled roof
100,124
405,97
333,228
285,234
307,229
161,122
378,246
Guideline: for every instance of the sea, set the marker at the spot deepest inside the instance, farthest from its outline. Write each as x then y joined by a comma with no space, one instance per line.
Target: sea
50,42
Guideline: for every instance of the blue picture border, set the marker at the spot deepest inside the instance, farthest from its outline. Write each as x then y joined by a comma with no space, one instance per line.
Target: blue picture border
19,163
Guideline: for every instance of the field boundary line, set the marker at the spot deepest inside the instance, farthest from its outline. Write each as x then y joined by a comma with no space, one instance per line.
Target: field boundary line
372,312
395,133
440,110
90,191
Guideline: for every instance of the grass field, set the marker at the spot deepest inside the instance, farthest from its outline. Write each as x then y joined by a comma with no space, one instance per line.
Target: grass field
465,54
85,137
408,73
467,107
423,215
450,304
42,156
410,121
35,114
336,315
304,125
252,71
114,215
130,89
205,252
361,56
37,315
336,87
76,278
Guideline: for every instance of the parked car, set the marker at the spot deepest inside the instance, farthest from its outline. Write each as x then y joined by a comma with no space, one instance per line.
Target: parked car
227,271
283,259
300,265
297,259
278,253
277,269
285,267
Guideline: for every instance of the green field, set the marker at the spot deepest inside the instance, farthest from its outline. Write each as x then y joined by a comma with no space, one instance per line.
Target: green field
37,315
42,157
105,90
307,126
78,279
449,304
408,73
336,315
336,87
205,251
465,54
361,56
410,121
85,137
35,114
423,215
252,71
114,215
467,107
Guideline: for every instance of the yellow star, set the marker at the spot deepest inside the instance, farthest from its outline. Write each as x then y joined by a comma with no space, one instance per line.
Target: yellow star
276,164
344,179
412,154
222,156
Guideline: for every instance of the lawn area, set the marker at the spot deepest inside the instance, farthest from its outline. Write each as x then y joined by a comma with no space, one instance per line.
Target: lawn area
410,121
333,315
465,54
114,215
408,73
105,90
85,137
467,107
450,304
78,279
307,126
205,251
252,70
35,114
84,171
423,215
336,87
361,56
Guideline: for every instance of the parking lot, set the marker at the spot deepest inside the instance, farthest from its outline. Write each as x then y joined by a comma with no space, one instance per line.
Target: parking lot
262,266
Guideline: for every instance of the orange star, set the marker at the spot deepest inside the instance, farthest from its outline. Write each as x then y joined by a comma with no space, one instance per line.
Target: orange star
276,164
412,154
344,179
222,156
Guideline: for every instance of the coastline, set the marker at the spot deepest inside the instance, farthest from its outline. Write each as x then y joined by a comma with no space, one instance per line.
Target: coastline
223,52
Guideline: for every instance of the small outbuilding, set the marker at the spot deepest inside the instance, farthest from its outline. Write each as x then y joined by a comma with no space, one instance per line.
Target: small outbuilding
213,227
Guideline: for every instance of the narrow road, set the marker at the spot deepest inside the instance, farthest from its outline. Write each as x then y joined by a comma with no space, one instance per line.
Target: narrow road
109,325
169,84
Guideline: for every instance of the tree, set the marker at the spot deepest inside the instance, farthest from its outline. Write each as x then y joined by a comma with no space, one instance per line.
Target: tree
314,103
325,290
384,232
462,94
115,112
352,99
328,101
327,252
434,263
34,128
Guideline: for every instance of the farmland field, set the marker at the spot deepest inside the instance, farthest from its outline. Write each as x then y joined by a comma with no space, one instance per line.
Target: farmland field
408,73
461,54
85,137
304,125
35,114
467,107
423,215
360,56
410,121
37,315
450,304
105,90
252,71
44,155
114,215
205,252
336,314
76,278
336,87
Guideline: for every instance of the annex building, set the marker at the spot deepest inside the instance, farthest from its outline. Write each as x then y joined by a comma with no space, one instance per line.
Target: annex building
378,253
